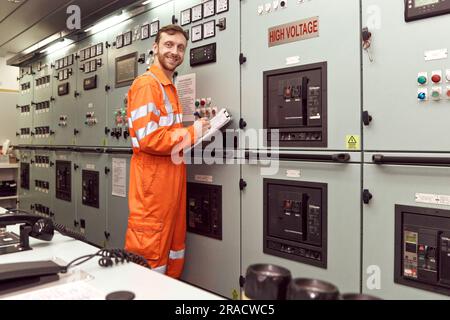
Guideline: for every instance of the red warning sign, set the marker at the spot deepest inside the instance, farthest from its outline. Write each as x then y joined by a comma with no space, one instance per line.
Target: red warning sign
294,31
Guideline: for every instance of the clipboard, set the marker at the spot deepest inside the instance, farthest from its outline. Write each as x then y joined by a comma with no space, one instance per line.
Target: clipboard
221,119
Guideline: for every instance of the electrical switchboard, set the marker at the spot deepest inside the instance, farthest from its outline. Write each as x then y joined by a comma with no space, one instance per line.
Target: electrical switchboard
91,99
307,107
64,111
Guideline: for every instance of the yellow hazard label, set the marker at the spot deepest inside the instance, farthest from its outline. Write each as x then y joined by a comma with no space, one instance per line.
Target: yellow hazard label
353,142
235,294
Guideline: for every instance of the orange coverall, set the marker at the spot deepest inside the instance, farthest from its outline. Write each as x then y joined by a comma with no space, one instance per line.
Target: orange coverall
157,192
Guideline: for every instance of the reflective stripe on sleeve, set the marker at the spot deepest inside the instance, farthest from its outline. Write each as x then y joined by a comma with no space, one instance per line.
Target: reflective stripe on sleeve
135,142
149,129
143,111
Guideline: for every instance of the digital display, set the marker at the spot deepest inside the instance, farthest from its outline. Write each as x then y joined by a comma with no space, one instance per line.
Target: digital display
126,70
421,3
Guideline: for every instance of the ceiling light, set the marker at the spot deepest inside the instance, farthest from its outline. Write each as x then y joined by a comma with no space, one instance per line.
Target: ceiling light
59,45
109,22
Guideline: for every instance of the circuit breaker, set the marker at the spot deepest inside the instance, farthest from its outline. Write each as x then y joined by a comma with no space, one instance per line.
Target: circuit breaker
64,180
204,210
90,188
295,221
422,248
25,175
295,103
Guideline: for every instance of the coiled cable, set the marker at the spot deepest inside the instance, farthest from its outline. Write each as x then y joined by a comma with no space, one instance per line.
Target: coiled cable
109,257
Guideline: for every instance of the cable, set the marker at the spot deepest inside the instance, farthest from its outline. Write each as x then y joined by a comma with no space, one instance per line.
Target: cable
109,257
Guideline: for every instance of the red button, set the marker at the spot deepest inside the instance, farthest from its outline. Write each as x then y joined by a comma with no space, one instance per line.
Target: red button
436,78
448,93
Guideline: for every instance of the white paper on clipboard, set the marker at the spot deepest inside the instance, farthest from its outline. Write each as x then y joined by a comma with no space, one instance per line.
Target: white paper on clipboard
217,123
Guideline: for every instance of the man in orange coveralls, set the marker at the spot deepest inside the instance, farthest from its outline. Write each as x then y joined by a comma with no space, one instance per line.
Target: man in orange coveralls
157,193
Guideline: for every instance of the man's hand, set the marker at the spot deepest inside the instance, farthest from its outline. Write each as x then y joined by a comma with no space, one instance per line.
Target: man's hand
201,126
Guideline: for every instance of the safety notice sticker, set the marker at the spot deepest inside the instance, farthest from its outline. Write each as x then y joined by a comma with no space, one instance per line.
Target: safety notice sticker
353,142
294,31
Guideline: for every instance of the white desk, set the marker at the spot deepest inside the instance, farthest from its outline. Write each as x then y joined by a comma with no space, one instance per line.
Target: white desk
144,283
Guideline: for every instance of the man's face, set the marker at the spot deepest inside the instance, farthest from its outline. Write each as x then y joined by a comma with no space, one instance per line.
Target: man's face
170,50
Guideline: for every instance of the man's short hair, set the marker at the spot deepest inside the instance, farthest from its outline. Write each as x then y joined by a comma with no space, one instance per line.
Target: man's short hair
171,29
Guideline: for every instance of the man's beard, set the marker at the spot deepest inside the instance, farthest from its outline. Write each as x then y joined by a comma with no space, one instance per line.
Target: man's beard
162,61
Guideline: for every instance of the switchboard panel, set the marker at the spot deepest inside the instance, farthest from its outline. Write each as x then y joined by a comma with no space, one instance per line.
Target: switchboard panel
295,221
212,215
43,103
24,106
302,215
64,113
117,198
212,41
91,98
43,79
417,95
405,210
208,81
299,34
66,193
91,178
204,210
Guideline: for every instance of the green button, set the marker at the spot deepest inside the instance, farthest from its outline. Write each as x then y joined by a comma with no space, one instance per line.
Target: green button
197,103
435,94
422,79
